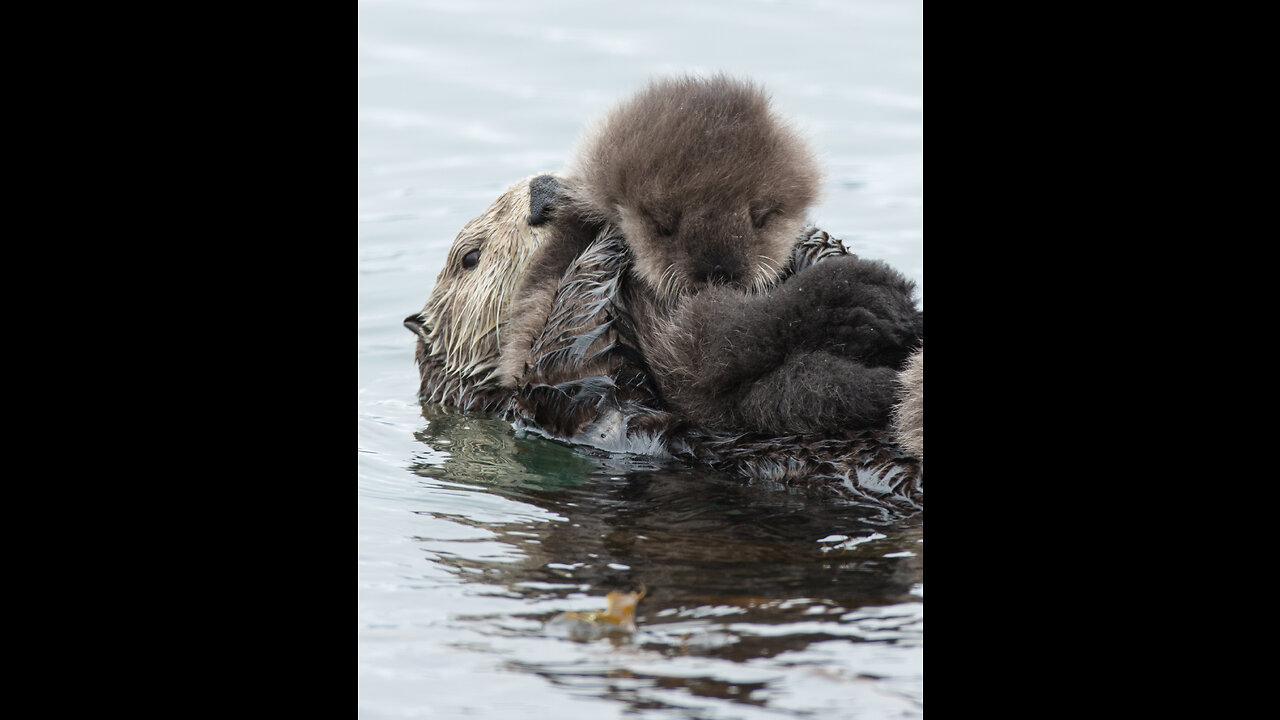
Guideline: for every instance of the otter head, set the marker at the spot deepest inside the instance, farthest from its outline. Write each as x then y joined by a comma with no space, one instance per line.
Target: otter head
459,328
707,183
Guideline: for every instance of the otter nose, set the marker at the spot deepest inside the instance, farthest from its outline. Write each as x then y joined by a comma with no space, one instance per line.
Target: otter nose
416,325
716,274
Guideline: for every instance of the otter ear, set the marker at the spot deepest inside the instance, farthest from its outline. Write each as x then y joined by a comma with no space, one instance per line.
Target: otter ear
543,192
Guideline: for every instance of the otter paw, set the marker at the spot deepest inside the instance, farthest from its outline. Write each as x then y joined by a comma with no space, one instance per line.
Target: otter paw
858,333
849,281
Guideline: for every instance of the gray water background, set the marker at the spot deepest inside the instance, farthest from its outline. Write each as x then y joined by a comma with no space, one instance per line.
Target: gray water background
761,603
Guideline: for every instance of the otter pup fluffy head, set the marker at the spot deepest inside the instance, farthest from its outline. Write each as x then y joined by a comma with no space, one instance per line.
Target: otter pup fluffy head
459,327
706,182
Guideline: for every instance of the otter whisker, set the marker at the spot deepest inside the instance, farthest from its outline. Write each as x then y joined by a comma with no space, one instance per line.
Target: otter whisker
670,277
669,282
760,281
769,272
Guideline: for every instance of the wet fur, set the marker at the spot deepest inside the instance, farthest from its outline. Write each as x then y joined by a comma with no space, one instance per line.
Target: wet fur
460,329
908,413
582,377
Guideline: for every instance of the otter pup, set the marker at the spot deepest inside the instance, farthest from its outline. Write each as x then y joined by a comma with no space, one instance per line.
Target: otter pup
710,187
707,182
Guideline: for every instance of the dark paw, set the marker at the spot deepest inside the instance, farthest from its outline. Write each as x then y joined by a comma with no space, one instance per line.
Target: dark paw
544,191
858,308
850,281
861,336
816,392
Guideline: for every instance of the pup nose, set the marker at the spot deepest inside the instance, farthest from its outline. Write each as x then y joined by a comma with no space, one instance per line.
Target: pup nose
716,274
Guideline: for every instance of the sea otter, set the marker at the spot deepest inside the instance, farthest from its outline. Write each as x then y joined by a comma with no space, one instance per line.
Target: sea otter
582,375
710,188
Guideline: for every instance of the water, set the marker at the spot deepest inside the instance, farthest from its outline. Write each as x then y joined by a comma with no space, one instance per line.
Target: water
760,603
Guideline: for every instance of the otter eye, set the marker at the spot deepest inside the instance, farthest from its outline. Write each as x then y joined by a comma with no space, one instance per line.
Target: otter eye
470,260
666,229
761,219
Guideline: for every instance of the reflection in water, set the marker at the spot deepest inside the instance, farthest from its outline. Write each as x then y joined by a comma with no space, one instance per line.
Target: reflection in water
732,571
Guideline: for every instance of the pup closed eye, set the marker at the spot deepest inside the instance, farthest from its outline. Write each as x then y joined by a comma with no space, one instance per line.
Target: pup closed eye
665,227
760,218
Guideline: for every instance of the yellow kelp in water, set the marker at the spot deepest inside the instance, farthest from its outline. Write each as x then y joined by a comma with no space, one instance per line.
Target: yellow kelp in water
617,619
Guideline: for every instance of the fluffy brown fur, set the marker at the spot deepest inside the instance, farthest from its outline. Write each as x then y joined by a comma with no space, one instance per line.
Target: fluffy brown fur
818,353
707,183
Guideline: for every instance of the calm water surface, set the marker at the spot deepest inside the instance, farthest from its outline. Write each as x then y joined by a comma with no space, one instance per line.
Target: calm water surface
760,603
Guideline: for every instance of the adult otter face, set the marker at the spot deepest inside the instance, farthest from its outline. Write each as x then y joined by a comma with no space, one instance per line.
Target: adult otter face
707,183
459,328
